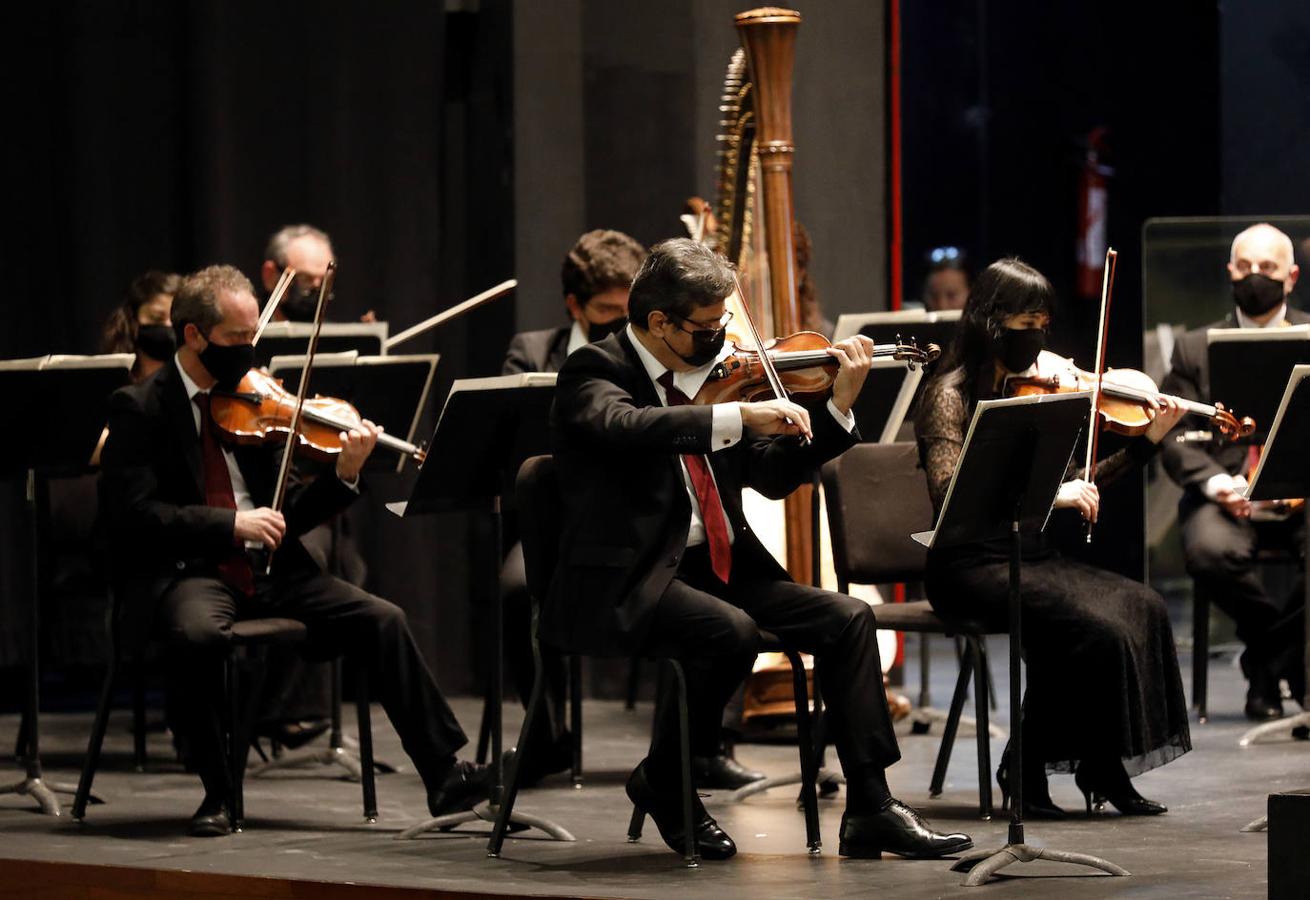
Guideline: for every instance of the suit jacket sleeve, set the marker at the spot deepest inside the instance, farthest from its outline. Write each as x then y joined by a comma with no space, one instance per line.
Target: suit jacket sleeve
131,490
518,358
1188,464
593,406
310,503
776,466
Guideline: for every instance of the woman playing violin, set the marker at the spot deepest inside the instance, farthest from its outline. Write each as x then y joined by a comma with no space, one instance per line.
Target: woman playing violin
1105,698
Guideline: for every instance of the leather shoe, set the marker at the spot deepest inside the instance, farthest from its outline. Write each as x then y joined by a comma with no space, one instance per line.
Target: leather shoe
897,829
464,786
211,819
293,735
722,771
1261,707
665,808
545,761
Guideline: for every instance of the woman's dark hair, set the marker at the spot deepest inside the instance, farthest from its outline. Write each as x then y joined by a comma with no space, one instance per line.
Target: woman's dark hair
599,261
1008,287
119,332
679,277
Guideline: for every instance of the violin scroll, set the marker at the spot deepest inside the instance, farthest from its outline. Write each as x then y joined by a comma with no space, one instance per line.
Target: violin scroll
913,355
1229,425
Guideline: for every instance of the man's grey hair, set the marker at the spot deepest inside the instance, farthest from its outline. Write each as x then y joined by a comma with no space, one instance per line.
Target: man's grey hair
282,238
197,299
1263,227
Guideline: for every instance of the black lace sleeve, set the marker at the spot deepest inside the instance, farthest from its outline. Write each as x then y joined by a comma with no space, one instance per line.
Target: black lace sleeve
939,428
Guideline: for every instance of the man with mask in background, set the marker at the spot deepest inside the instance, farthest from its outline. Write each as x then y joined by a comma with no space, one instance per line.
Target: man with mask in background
1220,540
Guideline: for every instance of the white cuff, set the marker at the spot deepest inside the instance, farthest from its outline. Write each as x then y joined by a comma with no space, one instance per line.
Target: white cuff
353,485
847,421
1216,483
726,430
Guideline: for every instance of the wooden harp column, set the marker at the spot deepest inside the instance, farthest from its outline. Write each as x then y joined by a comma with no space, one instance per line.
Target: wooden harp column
769,38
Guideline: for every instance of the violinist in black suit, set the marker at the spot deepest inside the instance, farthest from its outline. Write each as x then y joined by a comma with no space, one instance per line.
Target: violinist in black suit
1220,540
182,509
656,556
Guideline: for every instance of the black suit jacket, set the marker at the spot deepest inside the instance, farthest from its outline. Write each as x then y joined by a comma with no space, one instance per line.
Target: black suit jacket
1192,464
626,510
537,351
153,501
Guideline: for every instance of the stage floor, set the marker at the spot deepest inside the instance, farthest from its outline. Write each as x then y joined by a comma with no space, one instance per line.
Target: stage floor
306,825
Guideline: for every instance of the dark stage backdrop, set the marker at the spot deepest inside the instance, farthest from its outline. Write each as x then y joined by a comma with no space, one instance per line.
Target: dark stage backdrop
174,135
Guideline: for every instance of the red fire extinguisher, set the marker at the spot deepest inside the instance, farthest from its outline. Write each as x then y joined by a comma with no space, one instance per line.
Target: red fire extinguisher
1093,212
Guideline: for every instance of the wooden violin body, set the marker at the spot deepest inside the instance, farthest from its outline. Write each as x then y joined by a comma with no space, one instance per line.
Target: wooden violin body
261,409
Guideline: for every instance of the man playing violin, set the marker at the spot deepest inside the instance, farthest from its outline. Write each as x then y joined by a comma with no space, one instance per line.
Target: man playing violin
182,509
1220,541
656,557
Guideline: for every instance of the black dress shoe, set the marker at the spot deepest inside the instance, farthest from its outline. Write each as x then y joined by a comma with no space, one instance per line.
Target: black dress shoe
293,735
1262,708
897,829
665,808
542,762
211,819
465,785
722,771
1110,782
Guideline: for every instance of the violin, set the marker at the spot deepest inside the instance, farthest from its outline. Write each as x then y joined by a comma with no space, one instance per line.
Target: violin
1126,402
261,409
803,365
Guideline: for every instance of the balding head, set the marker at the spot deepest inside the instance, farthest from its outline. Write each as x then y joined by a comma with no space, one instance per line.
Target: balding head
1261,248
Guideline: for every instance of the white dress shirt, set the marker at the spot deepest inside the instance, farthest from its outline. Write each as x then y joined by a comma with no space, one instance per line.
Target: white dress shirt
725,430
577,338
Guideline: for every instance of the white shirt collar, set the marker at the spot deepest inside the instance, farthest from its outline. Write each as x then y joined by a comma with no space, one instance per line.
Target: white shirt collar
191,387
577,338
689,383
1245,321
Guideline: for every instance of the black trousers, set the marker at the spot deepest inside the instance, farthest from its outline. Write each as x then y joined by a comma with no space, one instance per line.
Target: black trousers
714,629
197,616
517,604
1221,558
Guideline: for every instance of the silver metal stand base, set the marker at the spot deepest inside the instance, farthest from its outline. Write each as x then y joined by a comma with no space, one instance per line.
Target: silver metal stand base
983,864
759,787
1254,735
923,718
43,792
1260,824
487,813
344,756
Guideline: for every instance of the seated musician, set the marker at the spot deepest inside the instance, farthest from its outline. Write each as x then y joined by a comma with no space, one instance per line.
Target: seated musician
184,507
1220,541
656,557
306,249
1104,693
140,324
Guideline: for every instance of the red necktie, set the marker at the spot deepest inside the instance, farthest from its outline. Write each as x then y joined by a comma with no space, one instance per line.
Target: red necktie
235,570
707,495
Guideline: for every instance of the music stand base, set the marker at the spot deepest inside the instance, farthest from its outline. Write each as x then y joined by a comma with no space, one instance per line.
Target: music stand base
923,718
1260,824
762,785
1253,736
983,864
43,792
328,756
487,813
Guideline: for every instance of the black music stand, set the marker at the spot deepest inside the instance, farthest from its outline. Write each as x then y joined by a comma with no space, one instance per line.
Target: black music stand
488,427
1283,475
79,388
1014,459
1246,362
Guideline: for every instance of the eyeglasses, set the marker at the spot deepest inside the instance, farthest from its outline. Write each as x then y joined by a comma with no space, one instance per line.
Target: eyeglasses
704,326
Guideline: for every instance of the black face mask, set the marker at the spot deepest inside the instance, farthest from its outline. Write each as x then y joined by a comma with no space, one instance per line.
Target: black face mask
705,346
598,331
156,341
1256,294
228,364
299,304
1018,348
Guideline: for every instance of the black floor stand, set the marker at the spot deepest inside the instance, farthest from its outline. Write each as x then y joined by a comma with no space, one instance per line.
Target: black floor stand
983,864
28,750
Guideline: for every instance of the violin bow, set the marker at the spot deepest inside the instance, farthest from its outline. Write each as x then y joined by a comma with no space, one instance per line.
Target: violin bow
1102,338
452,312
283,283
284,472
770,373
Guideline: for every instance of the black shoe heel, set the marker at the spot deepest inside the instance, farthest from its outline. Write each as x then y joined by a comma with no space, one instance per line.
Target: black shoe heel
858,851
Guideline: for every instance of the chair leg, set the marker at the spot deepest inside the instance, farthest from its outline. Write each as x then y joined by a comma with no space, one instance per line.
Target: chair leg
1200,650
634,682
484,732
139,717
96,742
334,732
982,703
575,715
367,772
952,726
925,674
235,751
809,761
535,703
689,854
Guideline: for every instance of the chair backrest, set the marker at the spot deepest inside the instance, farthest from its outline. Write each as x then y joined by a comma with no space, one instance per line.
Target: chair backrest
877,496
540,513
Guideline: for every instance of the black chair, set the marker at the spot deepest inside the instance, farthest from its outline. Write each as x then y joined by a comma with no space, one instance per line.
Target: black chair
249,636
877,496
539,511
